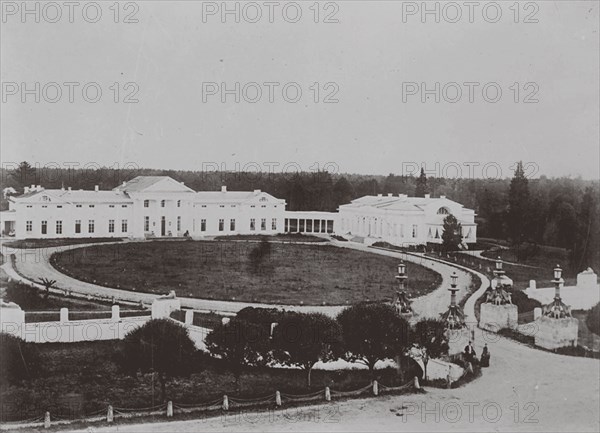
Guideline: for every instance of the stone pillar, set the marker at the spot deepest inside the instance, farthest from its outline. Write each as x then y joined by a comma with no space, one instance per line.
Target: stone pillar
64,314
587,279
116,313
12,319
189,317
163,306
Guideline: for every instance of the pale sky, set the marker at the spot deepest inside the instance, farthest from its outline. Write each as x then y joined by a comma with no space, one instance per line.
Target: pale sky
369,54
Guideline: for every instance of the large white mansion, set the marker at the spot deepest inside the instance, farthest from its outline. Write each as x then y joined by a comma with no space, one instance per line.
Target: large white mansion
159,206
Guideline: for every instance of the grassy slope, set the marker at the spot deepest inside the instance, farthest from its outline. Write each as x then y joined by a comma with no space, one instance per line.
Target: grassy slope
311,274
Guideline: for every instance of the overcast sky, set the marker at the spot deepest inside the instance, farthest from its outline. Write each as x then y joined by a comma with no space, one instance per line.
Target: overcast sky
170,52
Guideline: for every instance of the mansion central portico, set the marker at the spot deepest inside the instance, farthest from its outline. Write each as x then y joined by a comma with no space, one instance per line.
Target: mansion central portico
159,206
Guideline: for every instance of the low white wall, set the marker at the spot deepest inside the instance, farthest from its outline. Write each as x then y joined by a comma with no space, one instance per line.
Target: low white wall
578,298
74,331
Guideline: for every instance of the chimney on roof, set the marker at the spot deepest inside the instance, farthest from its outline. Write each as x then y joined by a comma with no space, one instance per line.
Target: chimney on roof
96,188
26,190
123,184
427,195
257,191
38,188
402,195
379,195
389,194
69,189
223,188
32,187
442,196
62,188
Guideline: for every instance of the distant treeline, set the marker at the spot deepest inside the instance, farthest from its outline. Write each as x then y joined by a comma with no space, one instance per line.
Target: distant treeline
562,212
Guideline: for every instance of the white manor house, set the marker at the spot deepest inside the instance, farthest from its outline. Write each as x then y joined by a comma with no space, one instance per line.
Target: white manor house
161,207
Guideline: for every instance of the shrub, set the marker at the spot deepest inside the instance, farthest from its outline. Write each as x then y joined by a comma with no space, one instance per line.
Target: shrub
159,346
593,319
304,339
373,332
524,303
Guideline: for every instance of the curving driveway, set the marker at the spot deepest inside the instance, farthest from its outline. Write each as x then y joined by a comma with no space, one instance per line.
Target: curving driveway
33,264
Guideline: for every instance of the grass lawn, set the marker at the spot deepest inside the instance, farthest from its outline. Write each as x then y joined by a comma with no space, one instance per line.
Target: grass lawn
546,257
288,274
47,243
79,379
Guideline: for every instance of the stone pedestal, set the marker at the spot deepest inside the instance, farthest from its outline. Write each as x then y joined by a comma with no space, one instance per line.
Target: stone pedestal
587,279
12,319
496,317
162,307
556,333
115,313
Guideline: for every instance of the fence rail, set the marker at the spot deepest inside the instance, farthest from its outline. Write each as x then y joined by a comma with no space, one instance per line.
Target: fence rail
226,403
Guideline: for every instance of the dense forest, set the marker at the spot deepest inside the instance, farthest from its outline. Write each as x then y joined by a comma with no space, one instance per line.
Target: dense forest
562,212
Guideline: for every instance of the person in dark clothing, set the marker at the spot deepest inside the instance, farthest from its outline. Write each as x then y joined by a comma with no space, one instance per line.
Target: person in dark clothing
469,352
485,357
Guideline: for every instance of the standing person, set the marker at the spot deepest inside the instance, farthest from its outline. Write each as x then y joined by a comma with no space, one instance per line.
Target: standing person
485,357
469,352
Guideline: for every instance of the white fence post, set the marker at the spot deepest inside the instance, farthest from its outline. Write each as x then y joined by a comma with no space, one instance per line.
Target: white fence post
169,409
110,416
327,394
47,420
189,317
375,388
417,385
277,398
225,403
64,314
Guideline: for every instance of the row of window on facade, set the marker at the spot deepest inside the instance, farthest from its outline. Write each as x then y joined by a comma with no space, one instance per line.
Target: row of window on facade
163,203
60,206
78,226
221,225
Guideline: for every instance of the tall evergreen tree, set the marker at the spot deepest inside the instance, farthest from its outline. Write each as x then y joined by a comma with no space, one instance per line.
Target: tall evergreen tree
422,188
452,234
518,205
24,174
